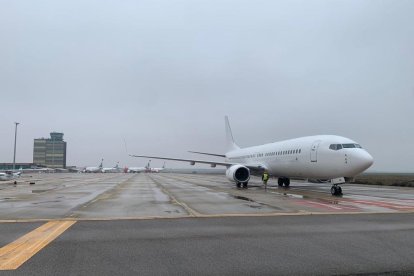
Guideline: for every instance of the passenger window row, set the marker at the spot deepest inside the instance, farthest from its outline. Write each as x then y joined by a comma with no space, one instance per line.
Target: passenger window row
284,152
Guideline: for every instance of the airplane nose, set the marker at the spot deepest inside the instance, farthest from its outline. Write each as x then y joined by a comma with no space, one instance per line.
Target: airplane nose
363,160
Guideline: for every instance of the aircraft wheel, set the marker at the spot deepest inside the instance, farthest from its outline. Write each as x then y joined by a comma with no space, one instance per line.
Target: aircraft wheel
245,185
336,190
287,182
280,182
238,185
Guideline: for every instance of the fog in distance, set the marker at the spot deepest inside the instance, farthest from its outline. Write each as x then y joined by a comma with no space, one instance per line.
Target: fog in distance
163,74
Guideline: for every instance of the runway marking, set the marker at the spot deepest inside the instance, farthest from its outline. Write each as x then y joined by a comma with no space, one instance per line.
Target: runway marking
13,255
384,204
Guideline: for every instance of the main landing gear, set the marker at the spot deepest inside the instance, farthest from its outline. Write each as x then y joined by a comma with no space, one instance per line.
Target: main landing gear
336,190
283,181
244,185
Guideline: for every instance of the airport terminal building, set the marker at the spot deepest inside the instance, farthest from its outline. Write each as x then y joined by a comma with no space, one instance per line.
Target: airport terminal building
50,152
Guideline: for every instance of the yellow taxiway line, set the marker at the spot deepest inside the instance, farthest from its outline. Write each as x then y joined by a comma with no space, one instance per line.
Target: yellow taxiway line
16,253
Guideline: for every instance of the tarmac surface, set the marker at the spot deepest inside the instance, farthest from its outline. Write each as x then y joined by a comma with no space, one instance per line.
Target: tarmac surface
201,224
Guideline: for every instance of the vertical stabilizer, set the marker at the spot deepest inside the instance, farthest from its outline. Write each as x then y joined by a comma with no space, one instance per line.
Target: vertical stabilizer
230,144
101,165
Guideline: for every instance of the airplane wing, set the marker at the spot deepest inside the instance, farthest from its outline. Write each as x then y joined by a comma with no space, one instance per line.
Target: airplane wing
191,161
206,153
255,168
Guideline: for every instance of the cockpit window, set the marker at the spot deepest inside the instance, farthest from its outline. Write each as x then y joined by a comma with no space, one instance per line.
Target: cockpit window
345,146
348,146
335,146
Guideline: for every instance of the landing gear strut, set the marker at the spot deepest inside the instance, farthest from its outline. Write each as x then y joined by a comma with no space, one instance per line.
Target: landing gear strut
244,184
336,190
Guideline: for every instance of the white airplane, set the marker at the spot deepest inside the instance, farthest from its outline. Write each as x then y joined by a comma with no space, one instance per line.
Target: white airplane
157,170
147,168
114,169
319,157
94,169
9,175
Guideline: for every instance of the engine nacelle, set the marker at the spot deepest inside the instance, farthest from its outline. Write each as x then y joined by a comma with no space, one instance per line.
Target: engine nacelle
238,174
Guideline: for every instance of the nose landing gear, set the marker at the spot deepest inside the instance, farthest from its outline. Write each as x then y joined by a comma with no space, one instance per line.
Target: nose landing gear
336,190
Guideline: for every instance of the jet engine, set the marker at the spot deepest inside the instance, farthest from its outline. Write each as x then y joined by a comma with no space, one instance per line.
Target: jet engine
238,174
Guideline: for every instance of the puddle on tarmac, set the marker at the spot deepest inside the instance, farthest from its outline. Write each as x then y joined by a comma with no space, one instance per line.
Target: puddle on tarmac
40,191
255,204
243,198
50,201
333,201
290,195
170,212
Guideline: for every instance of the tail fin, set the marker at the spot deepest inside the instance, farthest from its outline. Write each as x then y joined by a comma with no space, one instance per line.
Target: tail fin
101,165
163,166
230,144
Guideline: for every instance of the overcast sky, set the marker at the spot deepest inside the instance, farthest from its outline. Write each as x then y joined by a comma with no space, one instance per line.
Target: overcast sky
162,75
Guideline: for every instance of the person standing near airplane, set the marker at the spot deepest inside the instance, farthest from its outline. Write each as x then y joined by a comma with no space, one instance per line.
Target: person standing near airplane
265,178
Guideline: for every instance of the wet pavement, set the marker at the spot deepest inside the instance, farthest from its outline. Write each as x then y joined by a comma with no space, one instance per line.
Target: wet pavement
184,224
117,196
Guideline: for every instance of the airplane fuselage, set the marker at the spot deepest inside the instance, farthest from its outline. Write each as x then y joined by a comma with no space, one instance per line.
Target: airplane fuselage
307,157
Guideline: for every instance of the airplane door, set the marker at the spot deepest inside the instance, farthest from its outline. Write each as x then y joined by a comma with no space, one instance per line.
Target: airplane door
314,151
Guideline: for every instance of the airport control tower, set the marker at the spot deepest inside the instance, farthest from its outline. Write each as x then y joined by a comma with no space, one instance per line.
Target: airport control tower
50,152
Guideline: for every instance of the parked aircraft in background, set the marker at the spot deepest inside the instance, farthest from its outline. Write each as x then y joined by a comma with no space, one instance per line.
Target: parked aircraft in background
94,169
147,168
115,169
9,175
319,157
157,170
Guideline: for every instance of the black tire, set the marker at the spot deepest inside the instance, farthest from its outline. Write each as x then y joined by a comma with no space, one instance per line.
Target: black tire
287,182
238,185
339,190
280,182
245,185
333,190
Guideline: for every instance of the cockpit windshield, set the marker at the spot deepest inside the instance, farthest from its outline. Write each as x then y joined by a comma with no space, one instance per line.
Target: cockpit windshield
344,146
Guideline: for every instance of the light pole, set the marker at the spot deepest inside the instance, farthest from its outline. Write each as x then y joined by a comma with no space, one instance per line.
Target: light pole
15,139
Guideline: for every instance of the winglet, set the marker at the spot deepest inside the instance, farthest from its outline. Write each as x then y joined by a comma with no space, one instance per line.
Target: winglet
230,144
